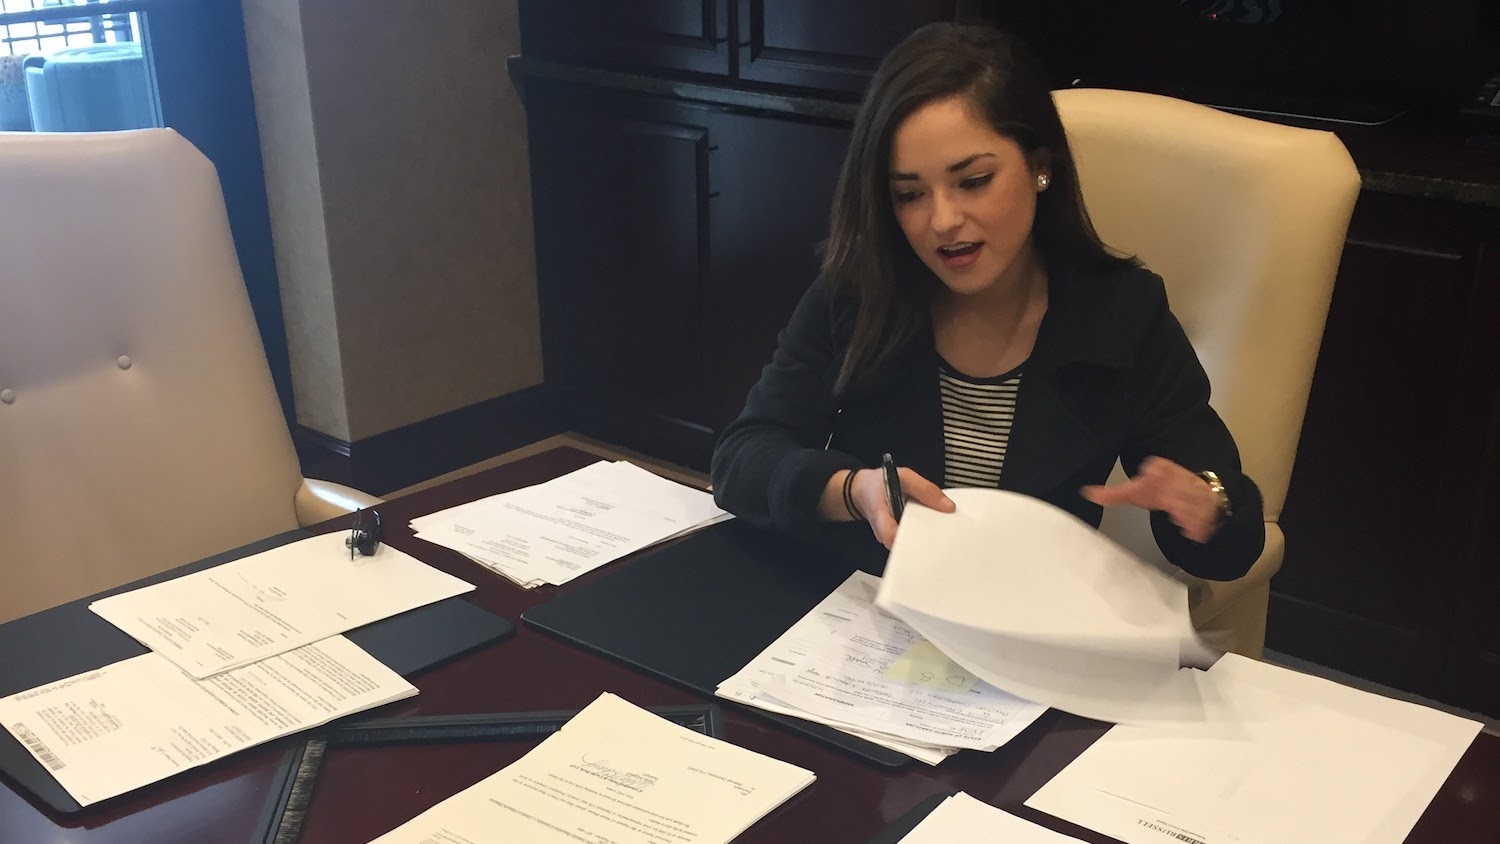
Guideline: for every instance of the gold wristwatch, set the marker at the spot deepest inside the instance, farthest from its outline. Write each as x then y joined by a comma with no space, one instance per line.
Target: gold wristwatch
1216,486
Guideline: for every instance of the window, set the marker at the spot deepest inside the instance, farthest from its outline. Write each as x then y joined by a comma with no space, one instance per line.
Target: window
74,66
94,65
61,26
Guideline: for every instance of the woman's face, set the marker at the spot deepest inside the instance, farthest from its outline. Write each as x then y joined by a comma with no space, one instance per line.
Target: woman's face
964,195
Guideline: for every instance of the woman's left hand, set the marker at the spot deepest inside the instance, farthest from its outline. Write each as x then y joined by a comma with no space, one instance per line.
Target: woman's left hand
1163,485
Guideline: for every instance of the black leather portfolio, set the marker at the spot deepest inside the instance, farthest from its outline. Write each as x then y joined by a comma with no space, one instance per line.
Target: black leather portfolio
696,611
902,826
70,639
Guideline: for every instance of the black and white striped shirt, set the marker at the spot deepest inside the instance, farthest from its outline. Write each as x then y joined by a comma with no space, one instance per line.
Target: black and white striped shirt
977,415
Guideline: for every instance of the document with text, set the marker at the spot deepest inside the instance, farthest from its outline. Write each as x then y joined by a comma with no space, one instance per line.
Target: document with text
1279,757
269,603
843,605
106,732
619,774
878,674
555,531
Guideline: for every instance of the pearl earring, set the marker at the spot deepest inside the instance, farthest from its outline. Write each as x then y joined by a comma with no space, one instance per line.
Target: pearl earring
1042,181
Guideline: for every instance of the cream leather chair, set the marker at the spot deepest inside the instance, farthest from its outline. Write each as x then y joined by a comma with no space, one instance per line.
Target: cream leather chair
139,427
1245,221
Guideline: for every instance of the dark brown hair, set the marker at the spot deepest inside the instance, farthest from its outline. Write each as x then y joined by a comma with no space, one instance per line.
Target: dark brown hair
867,257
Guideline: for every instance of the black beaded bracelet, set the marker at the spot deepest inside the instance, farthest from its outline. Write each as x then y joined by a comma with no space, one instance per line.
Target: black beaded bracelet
849,496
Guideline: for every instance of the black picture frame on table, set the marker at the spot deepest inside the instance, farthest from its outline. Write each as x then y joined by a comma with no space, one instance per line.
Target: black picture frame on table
292,792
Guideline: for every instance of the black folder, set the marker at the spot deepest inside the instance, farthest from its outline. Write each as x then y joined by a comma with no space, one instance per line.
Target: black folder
902,826
698,610
70,639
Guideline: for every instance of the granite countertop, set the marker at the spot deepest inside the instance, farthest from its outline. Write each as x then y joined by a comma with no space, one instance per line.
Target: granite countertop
1431,187
1413,159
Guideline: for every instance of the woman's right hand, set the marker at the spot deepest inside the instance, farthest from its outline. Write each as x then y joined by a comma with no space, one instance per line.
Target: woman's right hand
868,492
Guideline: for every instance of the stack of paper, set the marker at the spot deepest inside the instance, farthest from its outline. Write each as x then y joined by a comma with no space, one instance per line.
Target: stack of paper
855,667
248,609
1039,603
571,525
962,818
106,732
614,773
243,653
1279,757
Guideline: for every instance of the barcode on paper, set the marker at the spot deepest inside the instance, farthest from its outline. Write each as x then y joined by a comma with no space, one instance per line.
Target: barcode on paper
39,748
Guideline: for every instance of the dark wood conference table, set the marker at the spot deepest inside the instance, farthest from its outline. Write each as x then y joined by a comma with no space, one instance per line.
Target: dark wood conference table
362,793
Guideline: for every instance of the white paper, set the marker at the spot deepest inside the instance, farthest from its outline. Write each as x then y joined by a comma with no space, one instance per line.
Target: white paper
568,526
846,679
246,610
851,598
1279,757
962,818
618,774
106,732
1042,605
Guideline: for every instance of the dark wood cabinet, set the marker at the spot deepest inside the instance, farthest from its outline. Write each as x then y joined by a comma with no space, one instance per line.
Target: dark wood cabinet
831,45
775,180
1473,663
672,241
621,194
1374,534
1389,574
688,35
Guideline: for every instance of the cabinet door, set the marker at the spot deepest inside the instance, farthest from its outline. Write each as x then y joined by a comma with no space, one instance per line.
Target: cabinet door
1474,665
1383,493
774,179
691,35
620,198
830,44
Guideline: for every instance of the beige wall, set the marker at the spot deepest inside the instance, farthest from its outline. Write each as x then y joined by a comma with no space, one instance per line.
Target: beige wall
395,153
283,110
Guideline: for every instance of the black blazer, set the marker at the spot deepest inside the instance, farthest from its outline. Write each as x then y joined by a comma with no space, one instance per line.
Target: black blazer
1112,375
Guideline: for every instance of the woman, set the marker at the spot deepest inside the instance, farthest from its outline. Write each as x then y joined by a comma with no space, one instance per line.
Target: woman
969,322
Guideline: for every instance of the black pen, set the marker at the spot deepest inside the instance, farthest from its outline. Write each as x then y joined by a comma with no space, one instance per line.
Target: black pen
893,495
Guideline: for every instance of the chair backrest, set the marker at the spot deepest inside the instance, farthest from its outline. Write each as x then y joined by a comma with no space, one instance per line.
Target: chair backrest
139,426
1245,221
